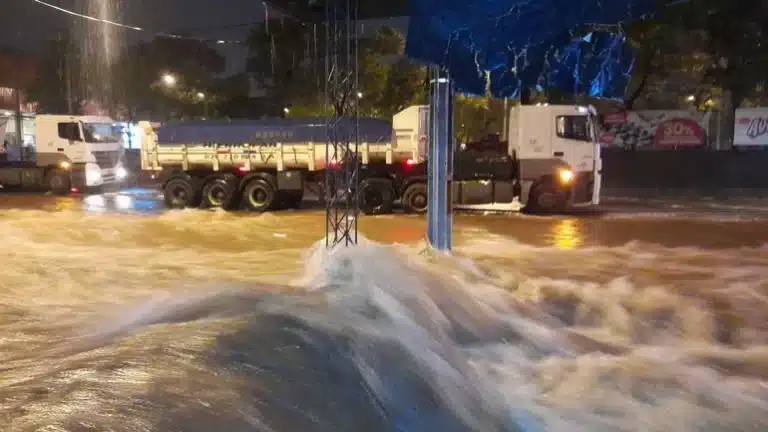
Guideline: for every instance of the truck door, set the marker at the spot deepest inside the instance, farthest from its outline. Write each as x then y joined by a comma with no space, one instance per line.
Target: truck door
572,141
65,140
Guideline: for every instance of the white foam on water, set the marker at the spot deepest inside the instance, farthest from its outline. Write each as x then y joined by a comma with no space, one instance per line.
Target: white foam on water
611,371
506,335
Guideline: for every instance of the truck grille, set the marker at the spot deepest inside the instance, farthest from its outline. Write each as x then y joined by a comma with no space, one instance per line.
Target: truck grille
106,159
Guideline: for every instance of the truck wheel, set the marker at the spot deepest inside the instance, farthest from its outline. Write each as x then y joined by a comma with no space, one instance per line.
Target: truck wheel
58,182
544,198
375,197
415,198
219,193
179,193
258,195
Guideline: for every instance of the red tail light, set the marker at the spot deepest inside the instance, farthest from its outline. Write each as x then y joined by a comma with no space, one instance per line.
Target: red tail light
410,162
242,169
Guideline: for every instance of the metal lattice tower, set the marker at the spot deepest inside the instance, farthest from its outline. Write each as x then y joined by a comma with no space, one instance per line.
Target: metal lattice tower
341,100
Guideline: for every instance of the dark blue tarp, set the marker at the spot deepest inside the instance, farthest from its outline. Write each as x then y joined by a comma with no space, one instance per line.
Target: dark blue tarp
526,43
285,131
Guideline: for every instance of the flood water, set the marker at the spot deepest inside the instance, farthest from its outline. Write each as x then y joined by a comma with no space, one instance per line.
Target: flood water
118,316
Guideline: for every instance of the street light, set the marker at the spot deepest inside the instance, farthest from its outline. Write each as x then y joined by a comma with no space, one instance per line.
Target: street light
359,95
201,97
286,110
169,80
691,98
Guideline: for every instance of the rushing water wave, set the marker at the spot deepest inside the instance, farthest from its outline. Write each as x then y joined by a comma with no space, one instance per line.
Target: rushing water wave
202,321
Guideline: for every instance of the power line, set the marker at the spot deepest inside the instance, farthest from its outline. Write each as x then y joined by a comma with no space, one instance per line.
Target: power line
135,28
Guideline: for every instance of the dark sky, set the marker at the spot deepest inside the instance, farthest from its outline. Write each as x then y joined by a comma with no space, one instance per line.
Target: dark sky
26,25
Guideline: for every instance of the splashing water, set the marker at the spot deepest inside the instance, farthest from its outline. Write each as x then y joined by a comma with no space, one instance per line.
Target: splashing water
503,336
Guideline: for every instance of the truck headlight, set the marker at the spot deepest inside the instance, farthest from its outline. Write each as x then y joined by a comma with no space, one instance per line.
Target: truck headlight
565,176
92,174
121,173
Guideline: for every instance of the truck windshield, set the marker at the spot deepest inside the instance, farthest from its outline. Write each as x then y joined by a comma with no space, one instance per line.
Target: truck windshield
101,133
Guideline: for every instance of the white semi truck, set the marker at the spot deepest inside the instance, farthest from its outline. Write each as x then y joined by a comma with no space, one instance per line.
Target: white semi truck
550,161
73,154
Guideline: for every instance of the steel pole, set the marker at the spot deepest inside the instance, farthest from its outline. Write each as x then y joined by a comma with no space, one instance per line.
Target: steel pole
19,125
440,161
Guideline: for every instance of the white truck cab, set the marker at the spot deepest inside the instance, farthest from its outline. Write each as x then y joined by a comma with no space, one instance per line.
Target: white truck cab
541,133
553,150
91,145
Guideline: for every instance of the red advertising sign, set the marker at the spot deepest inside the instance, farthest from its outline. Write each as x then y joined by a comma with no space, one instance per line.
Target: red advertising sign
655,129
615,118
680,132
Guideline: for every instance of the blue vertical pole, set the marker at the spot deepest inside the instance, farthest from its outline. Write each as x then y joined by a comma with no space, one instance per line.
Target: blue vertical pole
440,161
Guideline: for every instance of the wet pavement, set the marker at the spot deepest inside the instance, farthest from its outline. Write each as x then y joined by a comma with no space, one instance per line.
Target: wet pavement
617,221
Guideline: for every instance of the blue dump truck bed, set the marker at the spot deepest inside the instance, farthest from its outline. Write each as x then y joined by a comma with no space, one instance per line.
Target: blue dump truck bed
283,131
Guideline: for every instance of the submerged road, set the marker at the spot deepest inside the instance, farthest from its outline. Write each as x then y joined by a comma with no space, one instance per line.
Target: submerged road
705,223
118,315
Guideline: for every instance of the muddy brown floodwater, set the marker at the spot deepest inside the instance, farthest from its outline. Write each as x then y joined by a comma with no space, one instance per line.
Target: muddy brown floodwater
118,316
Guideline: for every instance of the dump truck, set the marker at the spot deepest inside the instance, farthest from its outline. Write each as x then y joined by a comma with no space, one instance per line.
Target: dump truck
549,161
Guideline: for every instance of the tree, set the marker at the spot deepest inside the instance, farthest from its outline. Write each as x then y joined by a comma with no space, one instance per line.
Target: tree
732,53
388,80
287,62
138,73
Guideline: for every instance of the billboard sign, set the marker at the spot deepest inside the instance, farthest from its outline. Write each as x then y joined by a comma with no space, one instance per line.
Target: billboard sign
657,129
751,128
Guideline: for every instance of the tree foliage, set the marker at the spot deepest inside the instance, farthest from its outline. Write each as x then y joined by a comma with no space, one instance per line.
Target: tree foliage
705,52
139,70
389,81
287,62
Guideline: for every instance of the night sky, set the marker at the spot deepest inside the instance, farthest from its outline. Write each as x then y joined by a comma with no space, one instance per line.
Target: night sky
26,25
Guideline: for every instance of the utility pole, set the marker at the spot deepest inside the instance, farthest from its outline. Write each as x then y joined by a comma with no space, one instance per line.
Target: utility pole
19,124
440,163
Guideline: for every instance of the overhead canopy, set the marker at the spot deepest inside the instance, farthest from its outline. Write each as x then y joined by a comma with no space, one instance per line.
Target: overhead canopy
526,43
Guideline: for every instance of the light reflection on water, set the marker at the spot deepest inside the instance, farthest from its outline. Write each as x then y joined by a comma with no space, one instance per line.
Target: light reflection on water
567,234
651,339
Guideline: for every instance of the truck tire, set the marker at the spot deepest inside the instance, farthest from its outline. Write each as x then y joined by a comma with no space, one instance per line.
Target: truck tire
415,198
219,192
179,193
375,197
258,195
58,182
544,199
